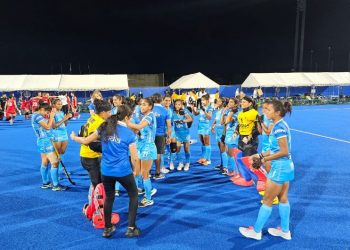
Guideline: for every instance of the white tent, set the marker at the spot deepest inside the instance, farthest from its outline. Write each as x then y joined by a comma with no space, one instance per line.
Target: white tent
194,81
41,82
89,82
11,82
63,82
296,79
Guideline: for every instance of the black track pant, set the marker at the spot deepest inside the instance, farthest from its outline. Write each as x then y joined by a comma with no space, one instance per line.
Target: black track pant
128,182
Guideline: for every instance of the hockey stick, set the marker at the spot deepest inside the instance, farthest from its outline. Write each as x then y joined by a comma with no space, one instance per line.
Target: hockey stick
63,166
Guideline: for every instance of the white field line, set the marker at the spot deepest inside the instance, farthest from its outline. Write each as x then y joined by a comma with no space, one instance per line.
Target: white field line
319,109
323,136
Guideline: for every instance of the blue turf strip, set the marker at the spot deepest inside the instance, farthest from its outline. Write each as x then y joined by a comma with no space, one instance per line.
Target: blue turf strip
198,209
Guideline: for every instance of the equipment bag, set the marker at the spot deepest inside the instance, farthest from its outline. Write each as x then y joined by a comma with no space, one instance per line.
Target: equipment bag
98,215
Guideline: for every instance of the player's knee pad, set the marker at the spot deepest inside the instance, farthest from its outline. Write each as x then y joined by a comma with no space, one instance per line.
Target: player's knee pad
173,147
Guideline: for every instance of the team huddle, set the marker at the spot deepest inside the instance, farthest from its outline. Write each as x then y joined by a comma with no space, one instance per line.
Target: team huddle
120,143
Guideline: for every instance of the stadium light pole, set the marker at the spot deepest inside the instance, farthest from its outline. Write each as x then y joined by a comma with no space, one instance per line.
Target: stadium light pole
329,58
302,9
296,39
311,59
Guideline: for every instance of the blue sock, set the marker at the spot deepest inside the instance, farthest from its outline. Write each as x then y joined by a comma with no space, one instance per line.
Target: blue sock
44,170
204,150
54,176
188,156
168,151
139,182
206,155
148,188
284,209
209,152
117,186
232,164
161,161
178,157
224,159
264,214
173,157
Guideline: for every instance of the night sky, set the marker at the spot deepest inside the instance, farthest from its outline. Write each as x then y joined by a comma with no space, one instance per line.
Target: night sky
224,39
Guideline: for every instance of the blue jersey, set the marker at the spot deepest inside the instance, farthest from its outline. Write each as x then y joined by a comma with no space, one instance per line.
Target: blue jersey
137,115
114,110
280,130
148,133
267,123
225,113
58,117
162,115
115,152
170,112
44,136
60,133
204,122
282,169
218,126
265,137
231,128
92,107
170,115
180,128
40,131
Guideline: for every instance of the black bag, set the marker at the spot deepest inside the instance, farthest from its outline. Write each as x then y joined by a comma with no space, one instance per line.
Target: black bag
96,146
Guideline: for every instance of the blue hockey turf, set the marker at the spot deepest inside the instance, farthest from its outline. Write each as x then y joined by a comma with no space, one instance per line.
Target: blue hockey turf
198,209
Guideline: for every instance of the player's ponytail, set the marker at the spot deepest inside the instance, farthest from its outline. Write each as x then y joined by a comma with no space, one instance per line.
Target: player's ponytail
250,100
283,108
109,127
287,107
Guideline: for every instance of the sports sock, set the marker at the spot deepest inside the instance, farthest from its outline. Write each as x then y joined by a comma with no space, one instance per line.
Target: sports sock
264,214
173,157
284,210
148,188
178,157
224,159
232,164
206,155
203,151
44,170
139,182
188,156
161,161
117,186
54,176
209,152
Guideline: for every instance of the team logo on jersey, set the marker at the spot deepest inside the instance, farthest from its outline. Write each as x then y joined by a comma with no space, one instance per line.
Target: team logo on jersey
114,138
280,131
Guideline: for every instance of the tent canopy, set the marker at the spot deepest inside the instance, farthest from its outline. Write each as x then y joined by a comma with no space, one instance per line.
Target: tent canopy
89,82
296,79
63,82
194,81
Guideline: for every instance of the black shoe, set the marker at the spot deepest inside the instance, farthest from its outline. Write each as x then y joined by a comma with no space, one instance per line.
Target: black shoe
108,232
133,232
